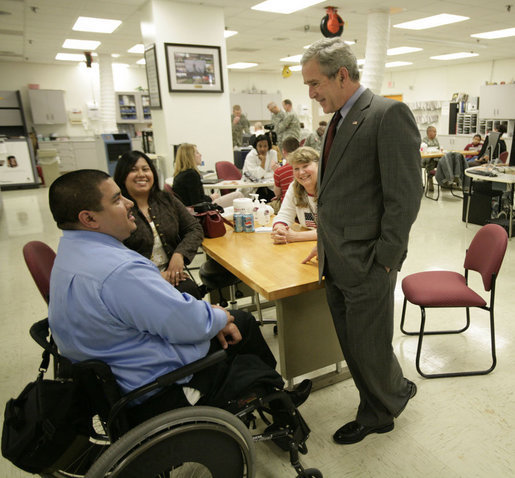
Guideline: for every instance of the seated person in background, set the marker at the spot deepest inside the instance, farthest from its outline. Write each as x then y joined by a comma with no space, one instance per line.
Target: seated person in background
283,175
474,146
260,164
300,201
304,132
187,182
314,140
112,304
430,163
258,128
484,154
167,233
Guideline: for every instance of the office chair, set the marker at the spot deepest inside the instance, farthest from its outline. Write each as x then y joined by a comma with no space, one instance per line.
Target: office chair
40,259
227,171
503,158
438,289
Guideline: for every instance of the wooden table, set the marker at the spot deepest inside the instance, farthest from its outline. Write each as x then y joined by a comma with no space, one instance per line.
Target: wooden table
505,175
306,335
439,154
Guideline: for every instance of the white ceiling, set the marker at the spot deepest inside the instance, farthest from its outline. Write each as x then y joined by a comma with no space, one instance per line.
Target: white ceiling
34,30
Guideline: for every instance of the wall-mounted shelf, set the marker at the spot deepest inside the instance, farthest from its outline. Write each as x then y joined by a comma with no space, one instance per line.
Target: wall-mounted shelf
132,107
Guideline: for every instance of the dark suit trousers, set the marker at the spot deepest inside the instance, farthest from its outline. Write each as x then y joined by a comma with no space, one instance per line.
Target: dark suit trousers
363,319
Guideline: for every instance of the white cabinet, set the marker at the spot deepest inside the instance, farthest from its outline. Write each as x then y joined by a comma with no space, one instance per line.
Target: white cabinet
47,106
497,101
254,105
132,107
75,154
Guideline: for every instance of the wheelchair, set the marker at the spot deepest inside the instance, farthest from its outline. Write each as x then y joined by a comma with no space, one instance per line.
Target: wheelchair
192,441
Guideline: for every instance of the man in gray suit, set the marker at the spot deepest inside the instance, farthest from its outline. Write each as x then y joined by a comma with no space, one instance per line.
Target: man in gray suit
369,190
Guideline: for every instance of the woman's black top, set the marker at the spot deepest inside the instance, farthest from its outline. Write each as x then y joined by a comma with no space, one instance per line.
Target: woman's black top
187,186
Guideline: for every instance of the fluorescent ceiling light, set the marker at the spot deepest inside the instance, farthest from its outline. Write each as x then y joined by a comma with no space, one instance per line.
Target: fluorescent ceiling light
241,65
115,55
81,44
294,58
138,48
431,22
508,32
70,57
141,62
393,64
401,50
296,67
98,25
229,33
284,6
454,56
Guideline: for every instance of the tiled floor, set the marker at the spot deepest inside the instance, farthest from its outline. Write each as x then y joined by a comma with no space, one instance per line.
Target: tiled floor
462,427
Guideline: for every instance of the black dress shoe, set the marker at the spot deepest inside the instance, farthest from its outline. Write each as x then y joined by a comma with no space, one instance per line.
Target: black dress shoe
353,432
301,392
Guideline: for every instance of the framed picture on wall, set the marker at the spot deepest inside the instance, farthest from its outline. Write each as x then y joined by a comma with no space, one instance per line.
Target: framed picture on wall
194,68
154,92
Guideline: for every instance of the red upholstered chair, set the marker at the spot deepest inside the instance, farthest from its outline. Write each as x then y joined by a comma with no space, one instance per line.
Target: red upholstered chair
225,170
40,259
434,289
503,157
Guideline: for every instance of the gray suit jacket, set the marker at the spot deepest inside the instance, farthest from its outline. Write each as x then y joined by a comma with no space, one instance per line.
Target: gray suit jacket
369,194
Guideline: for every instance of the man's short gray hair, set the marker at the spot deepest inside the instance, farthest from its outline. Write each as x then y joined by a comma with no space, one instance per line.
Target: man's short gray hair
332,54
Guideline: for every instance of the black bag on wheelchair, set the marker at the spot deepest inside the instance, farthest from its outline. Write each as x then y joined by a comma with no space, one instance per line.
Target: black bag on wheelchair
49,420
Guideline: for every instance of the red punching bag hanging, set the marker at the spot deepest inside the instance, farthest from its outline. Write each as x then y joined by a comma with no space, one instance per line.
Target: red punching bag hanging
332,24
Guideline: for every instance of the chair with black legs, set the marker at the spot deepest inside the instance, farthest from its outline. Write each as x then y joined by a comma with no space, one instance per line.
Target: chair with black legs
447,289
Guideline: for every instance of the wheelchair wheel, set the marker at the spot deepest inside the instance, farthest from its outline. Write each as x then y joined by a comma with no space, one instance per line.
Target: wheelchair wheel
199,442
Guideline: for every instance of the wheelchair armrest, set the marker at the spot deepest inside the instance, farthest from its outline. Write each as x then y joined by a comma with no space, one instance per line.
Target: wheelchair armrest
168,379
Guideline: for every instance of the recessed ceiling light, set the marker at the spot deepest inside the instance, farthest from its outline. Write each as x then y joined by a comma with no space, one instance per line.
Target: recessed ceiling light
454,56
508,32
138,48
294,58
70,57
284,6
241,65
431,22
401,50
98,25
393,64
229,33
141,62
81,44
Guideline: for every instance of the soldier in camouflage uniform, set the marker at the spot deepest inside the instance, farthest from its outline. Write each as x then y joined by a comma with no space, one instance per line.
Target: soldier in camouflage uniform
240,124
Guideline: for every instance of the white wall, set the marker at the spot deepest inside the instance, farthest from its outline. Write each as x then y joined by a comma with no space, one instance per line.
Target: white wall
438,83
80,84
292,88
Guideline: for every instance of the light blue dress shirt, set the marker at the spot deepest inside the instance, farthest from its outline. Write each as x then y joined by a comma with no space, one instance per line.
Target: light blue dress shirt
110,303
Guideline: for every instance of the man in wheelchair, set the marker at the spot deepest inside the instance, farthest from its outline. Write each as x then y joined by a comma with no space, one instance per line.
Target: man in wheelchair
109,303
